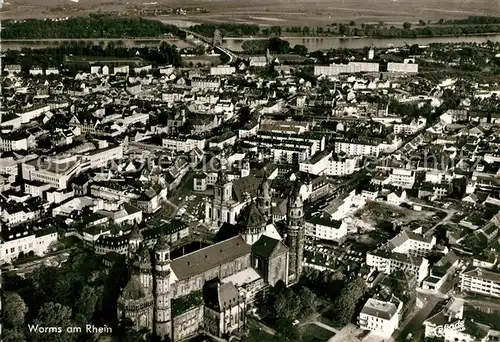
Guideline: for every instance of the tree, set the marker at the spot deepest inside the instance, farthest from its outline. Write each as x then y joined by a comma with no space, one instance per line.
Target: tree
286,331
53,315
13,335
421,22
14,309
308,301
415,49
352,23
344,30
345,304
407,25
224,58
294,303
279,46
300,50
86,303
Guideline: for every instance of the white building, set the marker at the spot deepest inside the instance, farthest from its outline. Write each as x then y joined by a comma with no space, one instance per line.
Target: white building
14,142
51,71
382,318
59,169
54,171
371,53
36,189
350,68
289,154
183,144
388,262
205,83
32,112
326,229
123,213
15,240
390,145
12,69
250,129
145,68
224,107
411,243
402,178
36,71
342,166
100,157
222,70
357,148
317,165
222,141
413,127
480,281
396,197
122,69
15,214
403,67
438,176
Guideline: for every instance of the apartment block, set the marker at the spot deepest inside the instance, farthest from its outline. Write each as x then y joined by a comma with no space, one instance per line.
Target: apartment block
480,281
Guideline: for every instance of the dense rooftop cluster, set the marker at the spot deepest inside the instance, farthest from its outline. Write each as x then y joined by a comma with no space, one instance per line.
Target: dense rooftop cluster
369,168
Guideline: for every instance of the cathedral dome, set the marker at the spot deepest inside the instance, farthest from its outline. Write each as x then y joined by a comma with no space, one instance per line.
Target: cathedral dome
134,289
252,217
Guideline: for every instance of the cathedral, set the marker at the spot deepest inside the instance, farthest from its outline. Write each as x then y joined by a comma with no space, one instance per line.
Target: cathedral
210,290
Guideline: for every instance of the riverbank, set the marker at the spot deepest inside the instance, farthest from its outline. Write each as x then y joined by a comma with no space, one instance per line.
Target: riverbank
18,44
493,34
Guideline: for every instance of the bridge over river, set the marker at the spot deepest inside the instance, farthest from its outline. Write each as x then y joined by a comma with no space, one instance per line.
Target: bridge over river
232,56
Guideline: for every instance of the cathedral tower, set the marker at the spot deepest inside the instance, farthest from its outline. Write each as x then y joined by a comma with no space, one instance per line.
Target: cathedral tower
264,198
162,293
223,187
134,241
220,208
295,234
142,267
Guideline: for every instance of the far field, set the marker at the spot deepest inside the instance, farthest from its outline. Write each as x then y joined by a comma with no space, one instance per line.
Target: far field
264,12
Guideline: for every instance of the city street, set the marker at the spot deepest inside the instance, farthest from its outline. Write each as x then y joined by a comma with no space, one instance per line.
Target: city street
413,323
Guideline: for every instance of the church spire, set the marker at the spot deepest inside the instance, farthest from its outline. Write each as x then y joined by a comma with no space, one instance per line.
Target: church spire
264,198
223,186
135,238
223,168
295,233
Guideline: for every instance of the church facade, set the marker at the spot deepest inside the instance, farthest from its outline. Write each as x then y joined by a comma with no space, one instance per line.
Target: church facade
221,280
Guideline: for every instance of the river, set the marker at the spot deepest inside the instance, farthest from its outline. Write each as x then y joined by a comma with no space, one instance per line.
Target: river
234,44
326,43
